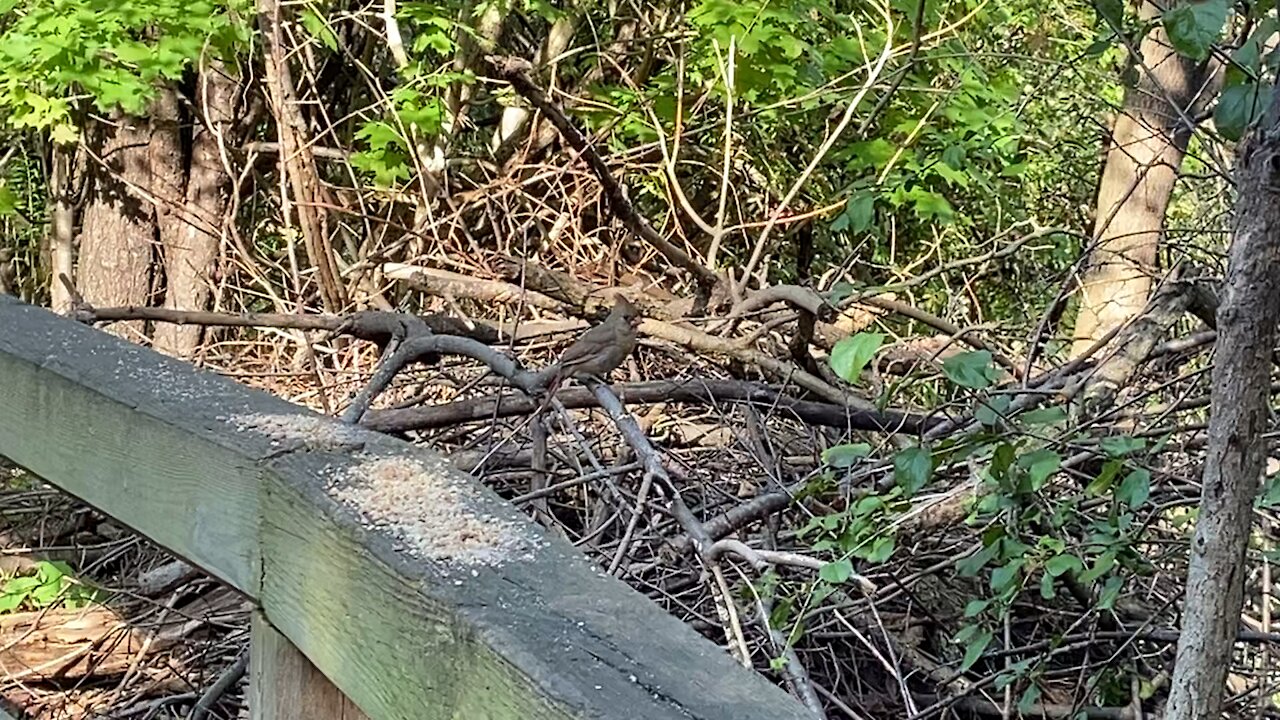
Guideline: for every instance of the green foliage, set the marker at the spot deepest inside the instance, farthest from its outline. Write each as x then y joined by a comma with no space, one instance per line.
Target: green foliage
1239,106
55,53
974,369
843,456
850,355
51,585
861,531
912,468
1194,27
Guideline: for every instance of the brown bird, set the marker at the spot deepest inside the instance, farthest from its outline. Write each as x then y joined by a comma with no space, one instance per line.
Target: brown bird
601,349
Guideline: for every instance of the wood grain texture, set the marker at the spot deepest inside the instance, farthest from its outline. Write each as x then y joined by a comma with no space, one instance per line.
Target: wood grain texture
539,634
284,685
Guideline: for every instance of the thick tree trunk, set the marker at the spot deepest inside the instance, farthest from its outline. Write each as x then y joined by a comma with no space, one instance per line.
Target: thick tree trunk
117,229
1234,462
1146,150
192,243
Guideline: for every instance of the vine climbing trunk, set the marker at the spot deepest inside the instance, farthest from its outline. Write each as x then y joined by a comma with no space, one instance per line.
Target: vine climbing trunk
1235,458
1147,145
297,164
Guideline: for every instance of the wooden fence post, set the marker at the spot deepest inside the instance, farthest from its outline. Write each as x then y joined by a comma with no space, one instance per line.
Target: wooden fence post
284,685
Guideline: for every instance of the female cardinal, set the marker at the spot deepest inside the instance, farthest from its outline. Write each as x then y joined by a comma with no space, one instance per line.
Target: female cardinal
600,349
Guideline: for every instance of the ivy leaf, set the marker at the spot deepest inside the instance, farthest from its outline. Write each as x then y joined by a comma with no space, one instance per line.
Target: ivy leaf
843,456
1239,106
1194,27
971,369
912,468
852,354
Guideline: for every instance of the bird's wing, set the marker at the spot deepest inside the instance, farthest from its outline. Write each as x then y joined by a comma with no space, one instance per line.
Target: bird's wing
587,345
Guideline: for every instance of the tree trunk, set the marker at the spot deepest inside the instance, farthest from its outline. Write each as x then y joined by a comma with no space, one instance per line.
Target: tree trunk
1234,461
118,228
1146,150
191,245
62,231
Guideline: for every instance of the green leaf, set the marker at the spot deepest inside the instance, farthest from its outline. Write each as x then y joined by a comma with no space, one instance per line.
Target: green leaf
1194,26
969,566
1239,106
1040,465
843,456
912,468
64,134
858,214
971,369
880,550
1004,579
1047,590
1110,592
22,584
1101,566
851,354
976,607
319,29
1110,12
930,205
1119,446
991,411
1102,483
1029,698
8,201
1270,496
1060,564
974,649
1135,488
837,572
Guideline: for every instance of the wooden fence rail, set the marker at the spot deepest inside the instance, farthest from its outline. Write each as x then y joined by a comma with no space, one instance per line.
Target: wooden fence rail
374,565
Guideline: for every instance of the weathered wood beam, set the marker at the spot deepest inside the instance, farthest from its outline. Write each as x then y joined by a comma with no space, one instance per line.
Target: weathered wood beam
418,592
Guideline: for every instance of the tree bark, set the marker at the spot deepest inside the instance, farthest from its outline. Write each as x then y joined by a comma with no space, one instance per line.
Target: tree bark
62,231
1236,452
117,229
192,243
1147,145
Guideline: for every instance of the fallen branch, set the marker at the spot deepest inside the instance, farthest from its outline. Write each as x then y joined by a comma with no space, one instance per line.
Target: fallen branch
693,391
